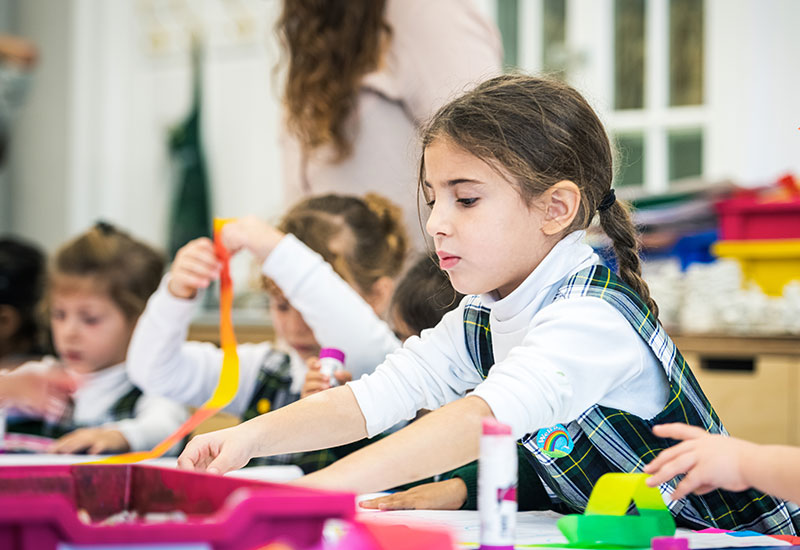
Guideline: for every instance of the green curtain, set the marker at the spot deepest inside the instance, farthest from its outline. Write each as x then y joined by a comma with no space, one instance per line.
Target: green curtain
190,215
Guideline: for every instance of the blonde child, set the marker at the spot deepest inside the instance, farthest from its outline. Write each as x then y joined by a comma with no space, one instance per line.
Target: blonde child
549,341
330,267
97,288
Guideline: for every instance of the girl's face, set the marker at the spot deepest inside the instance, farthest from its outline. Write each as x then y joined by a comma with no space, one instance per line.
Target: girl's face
90,331
486,237
291,328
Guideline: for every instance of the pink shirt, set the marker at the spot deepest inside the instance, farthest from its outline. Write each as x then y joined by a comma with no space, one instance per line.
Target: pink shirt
438,49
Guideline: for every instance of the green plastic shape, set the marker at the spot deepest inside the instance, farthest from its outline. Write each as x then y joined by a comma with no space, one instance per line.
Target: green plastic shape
605,523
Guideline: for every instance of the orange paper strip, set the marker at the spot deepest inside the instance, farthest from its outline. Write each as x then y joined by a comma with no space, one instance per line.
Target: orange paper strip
228,377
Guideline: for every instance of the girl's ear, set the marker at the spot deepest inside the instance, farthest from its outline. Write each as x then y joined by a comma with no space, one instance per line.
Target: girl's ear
560,203
380,295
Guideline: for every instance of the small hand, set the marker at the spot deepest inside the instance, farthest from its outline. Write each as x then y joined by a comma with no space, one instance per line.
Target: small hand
195,266
217,452
92,441
441,495
251,233
316,381
710,461
37,391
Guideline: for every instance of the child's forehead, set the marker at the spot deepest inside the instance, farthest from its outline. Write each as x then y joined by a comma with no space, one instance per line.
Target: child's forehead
82,287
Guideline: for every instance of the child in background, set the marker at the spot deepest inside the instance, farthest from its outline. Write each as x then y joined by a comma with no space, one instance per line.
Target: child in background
422,296
568,354
98,286
712,460
22,273
330,268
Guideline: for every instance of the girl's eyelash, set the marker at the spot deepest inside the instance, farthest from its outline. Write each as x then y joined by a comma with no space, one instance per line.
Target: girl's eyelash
430,203
468,202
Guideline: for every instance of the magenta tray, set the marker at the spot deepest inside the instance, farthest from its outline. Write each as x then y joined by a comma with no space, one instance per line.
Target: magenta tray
39,509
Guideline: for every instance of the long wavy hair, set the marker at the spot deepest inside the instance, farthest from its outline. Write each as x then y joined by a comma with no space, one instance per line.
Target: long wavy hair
331,45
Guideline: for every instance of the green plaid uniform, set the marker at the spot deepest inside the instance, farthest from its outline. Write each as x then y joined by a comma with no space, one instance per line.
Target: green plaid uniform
122,409
611,440
273,391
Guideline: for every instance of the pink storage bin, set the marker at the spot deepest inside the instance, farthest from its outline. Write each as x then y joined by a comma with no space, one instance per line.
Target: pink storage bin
39,508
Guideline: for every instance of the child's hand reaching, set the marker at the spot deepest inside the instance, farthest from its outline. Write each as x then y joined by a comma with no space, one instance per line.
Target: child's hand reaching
442,495
316,381
251,233
195,266
218,452
37,392
710,461
92,441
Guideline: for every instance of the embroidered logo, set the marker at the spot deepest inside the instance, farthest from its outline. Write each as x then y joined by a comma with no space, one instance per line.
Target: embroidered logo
554,441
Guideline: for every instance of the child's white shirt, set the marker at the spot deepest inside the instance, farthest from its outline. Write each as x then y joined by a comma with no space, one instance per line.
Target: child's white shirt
154,418
160,359
553,360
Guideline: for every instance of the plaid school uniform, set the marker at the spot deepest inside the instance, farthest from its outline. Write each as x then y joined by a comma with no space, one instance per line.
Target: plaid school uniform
122,409
604,440
273,391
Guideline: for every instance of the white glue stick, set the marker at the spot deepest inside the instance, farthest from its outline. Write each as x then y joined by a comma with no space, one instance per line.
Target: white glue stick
497,486
330,361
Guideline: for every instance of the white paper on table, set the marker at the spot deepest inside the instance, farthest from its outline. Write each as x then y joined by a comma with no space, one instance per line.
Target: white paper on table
538,528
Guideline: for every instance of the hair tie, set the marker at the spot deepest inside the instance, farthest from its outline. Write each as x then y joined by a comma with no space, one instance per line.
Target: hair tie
607,201
104,227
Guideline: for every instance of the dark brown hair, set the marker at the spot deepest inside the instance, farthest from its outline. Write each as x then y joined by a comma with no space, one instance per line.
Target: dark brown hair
363,239
424,295
127,269
331,45
541,132
22,274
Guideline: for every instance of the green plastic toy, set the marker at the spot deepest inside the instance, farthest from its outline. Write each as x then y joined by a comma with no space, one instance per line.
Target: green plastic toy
605,523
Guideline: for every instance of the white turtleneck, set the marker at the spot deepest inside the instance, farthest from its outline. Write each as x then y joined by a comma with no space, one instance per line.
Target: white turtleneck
553,360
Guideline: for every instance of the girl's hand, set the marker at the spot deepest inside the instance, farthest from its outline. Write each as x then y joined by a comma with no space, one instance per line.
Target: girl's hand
316,381
195,266
251,233
92,441
710,461
37,392
218,452
442,495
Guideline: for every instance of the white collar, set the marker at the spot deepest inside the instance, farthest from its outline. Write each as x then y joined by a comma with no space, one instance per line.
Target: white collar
567,257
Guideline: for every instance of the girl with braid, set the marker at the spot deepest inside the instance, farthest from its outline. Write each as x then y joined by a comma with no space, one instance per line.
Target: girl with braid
550,342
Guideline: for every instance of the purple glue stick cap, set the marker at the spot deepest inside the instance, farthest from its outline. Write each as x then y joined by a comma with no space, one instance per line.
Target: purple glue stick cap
669,543
332,352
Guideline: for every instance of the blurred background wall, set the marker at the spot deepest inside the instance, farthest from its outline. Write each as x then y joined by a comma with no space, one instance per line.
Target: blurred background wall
691,90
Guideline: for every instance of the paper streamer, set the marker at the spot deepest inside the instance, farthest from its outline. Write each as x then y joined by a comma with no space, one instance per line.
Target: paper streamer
228,377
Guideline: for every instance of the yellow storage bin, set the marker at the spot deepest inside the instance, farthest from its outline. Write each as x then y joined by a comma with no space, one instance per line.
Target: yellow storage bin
770,263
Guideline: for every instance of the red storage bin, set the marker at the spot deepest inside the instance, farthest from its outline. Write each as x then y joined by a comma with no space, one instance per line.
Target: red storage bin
39,509
762,214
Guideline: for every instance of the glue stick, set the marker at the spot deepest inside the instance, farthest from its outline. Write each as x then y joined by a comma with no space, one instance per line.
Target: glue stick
330,361
497,486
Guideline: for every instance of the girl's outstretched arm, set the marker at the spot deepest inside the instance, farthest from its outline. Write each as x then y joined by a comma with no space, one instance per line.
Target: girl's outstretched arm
323,420
442,440
712,461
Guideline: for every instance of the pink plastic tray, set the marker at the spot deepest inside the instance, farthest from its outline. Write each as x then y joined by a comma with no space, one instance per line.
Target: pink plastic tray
39,508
